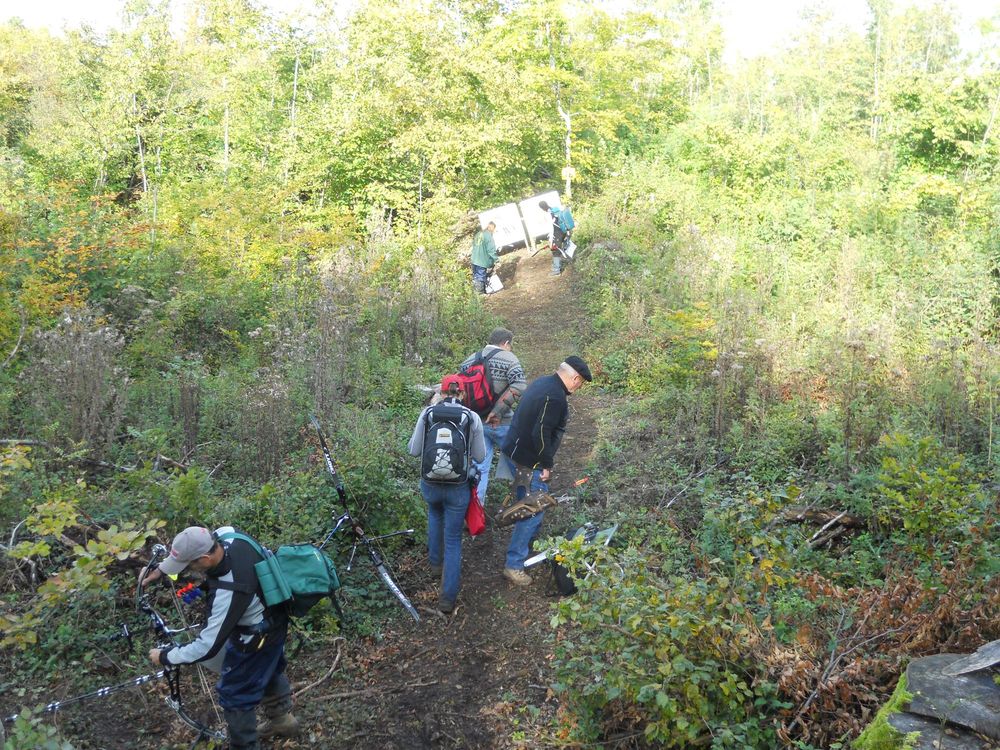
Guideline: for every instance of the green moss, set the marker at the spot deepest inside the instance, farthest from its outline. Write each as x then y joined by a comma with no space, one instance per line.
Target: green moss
880,734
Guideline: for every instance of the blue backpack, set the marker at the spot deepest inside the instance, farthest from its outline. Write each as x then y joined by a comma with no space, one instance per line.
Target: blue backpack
565,219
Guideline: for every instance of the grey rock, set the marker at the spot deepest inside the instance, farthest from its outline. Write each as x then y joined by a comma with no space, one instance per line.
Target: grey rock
936,736
969,700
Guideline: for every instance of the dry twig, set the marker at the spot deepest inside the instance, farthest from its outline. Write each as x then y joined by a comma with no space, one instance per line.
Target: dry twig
330,671
373,690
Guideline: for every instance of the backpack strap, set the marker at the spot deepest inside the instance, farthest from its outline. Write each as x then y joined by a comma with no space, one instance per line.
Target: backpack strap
479,357
487,357
242,537
465,417
485,360
244,588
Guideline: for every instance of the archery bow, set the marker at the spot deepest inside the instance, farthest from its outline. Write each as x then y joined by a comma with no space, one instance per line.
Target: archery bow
144,604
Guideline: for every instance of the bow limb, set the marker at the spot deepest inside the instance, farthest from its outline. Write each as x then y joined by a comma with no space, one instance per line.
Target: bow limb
206,685
177,704
144,604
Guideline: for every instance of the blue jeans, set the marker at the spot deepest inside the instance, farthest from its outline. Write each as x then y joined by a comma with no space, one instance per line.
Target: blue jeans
479,277
493,437
525,531
446,506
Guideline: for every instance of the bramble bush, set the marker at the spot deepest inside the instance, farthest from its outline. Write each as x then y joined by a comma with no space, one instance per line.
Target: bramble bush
639,650
928,496
28,733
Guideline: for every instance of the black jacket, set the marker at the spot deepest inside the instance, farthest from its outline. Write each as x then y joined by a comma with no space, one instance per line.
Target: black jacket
539,423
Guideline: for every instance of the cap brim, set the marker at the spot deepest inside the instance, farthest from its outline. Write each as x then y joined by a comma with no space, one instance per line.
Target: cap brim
172,566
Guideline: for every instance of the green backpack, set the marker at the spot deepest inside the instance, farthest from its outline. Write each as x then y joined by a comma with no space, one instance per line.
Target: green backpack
295,577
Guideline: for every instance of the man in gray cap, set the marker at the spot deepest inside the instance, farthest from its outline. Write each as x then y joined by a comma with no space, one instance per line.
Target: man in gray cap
535,433
253,637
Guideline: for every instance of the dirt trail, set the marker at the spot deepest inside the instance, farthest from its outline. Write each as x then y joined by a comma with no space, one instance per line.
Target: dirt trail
465,681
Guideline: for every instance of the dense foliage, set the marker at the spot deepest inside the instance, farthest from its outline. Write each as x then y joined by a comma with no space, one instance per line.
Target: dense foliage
790,265
797,291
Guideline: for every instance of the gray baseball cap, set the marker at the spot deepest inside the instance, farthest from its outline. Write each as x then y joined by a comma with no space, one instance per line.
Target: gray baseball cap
187,546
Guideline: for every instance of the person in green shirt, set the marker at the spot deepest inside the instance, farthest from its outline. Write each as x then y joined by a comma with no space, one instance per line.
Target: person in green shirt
484,256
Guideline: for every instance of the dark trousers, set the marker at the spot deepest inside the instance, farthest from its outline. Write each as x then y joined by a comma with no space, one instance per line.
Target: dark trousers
249,678
558,245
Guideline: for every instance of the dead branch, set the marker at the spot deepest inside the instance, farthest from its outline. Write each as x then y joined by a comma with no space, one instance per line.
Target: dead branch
688,483
13,534
374,690
830,665
818,541
20,338
162,461
829,517
330,671
434,612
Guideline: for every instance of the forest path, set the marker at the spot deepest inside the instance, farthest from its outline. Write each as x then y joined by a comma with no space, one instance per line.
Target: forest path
472,679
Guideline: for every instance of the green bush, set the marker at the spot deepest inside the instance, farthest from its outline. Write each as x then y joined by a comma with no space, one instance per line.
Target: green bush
29,733
638,650
930,495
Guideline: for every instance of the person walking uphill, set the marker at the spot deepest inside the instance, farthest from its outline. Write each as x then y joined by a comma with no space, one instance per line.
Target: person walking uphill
562,229
449,438
252,637
507,381
484,256
535,433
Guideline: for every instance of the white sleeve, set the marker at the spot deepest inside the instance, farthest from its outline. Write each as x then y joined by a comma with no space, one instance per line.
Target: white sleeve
478,438
416,446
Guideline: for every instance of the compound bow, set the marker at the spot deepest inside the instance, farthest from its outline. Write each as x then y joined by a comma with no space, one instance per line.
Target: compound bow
172,673
144,605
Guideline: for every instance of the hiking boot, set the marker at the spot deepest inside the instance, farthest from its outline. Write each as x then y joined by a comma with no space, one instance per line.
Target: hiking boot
437,570
446,606
517,576
285,725
555,273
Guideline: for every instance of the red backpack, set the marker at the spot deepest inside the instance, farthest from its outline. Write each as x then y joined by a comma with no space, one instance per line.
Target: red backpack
474,379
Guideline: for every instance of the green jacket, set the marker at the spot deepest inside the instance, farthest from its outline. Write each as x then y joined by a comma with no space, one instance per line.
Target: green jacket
484,249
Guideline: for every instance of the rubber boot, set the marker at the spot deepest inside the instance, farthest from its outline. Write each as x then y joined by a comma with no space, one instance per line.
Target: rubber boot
242,729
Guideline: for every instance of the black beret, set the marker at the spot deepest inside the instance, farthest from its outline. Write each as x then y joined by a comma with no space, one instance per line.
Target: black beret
580,366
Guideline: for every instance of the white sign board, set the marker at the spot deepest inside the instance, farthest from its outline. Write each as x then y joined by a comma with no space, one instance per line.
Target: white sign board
509,232
537,220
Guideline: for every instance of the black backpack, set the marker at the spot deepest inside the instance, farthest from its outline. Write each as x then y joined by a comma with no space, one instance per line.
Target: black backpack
447,435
